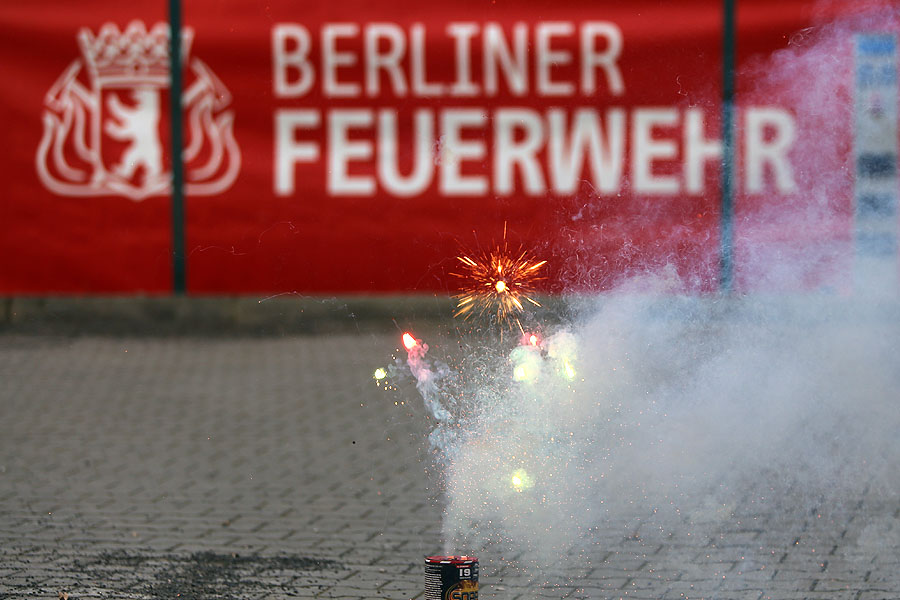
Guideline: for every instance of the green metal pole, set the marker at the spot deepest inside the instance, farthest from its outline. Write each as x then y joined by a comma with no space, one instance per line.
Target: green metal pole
179,269
726,274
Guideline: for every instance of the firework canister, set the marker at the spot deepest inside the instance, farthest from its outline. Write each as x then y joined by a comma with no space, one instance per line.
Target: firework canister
451,578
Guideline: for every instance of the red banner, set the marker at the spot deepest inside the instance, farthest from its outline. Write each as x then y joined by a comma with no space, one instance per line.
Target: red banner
340,147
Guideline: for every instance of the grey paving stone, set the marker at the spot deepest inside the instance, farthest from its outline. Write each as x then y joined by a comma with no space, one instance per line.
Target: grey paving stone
274,468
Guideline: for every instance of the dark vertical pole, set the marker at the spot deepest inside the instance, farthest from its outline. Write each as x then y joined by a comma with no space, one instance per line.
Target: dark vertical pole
726,274
179,270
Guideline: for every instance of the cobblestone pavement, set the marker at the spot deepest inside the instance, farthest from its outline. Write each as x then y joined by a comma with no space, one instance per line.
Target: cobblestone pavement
274,468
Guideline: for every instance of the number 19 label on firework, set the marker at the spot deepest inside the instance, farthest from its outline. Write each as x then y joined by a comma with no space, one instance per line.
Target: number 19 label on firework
451,578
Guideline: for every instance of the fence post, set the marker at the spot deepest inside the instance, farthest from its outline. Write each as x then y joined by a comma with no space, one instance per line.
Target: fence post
179,267
726,273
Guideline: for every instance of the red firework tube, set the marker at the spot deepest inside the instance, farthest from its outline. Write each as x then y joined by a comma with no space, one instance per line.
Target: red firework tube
451,578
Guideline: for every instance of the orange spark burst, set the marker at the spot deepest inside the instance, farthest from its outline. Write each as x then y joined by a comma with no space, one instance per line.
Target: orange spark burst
499,281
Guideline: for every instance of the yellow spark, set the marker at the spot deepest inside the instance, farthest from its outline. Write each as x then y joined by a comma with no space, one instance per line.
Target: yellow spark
520,480
569,370
520,373
497,282
379,374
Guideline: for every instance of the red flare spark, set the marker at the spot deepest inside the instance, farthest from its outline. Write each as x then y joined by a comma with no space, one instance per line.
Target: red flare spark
409,341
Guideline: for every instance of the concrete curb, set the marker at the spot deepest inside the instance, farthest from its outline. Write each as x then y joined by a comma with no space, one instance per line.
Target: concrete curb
293,314
241,315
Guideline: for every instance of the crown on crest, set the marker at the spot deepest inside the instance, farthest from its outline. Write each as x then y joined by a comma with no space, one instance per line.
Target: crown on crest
135,55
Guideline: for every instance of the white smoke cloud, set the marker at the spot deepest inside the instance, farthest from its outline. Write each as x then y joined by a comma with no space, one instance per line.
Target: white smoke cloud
665,410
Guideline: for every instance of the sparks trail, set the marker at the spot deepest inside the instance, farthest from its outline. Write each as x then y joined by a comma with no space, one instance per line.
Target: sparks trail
498,281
